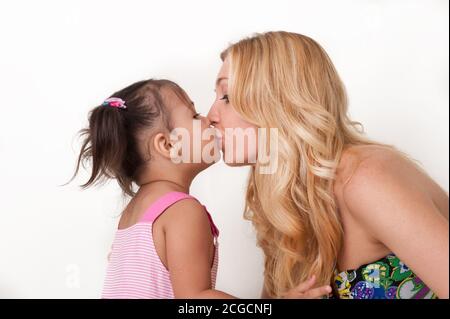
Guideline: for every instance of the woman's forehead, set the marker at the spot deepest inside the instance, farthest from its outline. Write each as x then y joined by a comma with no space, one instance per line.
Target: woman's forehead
223,72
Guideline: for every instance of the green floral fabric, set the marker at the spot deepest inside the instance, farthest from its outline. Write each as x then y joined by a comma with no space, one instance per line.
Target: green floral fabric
387,278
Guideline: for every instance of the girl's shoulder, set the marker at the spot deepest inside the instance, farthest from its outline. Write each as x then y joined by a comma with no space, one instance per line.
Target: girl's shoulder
189,215
152,204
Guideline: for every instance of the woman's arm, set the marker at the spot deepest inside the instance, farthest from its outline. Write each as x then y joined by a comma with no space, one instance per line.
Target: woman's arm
386,197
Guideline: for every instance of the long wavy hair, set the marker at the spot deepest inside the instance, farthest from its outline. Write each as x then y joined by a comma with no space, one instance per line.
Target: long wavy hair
287,81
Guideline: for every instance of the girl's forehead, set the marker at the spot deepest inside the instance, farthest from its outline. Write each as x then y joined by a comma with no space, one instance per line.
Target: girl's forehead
174,99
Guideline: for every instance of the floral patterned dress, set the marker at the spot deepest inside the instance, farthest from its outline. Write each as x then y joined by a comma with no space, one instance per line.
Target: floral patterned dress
387,278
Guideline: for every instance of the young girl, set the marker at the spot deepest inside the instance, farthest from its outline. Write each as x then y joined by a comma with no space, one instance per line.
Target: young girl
166,242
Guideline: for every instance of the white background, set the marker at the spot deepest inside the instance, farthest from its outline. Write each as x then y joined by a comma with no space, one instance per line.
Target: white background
58,59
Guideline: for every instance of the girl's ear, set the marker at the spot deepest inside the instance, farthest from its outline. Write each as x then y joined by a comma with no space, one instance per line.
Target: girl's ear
162,144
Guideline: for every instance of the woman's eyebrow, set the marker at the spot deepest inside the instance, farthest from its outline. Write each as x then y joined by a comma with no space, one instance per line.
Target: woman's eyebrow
220,79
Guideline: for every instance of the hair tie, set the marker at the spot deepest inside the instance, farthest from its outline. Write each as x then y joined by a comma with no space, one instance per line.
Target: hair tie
115,102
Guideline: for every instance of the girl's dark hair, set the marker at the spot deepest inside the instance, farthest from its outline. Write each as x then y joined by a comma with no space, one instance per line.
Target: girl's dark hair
111,139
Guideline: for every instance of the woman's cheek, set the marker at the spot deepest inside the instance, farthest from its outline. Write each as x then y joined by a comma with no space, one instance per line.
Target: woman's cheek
240,145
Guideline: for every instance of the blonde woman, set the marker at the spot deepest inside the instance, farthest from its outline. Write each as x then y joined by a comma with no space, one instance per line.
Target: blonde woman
356,214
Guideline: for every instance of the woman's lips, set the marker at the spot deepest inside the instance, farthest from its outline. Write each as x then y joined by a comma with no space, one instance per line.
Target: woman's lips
219,139
219,142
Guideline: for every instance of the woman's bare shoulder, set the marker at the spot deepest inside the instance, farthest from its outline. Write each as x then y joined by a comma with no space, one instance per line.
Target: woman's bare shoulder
356,159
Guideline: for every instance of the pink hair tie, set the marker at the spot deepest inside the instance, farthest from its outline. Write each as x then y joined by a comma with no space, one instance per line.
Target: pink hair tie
115,102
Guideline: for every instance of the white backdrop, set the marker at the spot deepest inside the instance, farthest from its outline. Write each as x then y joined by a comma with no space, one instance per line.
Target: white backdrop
58,59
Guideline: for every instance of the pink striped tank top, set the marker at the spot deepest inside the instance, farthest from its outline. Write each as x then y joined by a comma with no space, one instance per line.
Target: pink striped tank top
135,269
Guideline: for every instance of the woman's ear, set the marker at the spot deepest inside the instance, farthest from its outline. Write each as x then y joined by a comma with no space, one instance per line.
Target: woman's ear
162,144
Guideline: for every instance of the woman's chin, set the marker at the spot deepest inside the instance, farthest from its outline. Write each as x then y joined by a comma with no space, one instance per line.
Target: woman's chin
234,163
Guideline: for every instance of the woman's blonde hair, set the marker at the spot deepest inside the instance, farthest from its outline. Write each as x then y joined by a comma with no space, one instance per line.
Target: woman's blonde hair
287,81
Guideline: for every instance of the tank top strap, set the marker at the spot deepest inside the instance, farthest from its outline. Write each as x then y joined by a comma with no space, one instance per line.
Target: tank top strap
161,204
167,200
214,229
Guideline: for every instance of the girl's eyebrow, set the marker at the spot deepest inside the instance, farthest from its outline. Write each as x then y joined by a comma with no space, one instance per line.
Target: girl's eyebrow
192,106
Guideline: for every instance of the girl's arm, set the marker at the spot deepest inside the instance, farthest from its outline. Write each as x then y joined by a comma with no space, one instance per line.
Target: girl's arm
190,251
264,293
190,254
305,290
385,196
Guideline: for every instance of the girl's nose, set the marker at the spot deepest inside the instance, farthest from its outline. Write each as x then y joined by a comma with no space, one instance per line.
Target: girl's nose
206,120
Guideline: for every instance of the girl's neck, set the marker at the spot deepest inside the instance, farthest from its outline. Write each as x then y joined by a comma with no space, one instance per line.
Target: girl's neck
177,186
179,182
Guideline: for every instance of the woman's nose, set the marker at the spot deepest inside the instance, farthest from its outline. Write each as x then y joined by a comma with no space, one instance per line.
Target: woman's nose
212,116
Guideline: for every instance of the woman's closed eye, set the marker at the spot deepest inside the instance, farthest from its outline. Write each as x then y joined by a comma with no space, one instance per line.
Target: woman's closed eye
225,98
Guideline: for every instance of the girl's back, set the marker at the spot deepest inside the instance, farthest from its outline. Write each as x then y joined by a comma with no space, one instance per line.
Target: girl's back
135,268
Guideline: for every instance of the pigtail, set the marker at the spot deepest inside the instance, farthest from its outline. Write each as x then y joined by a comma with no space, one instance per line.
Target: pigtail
105,146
